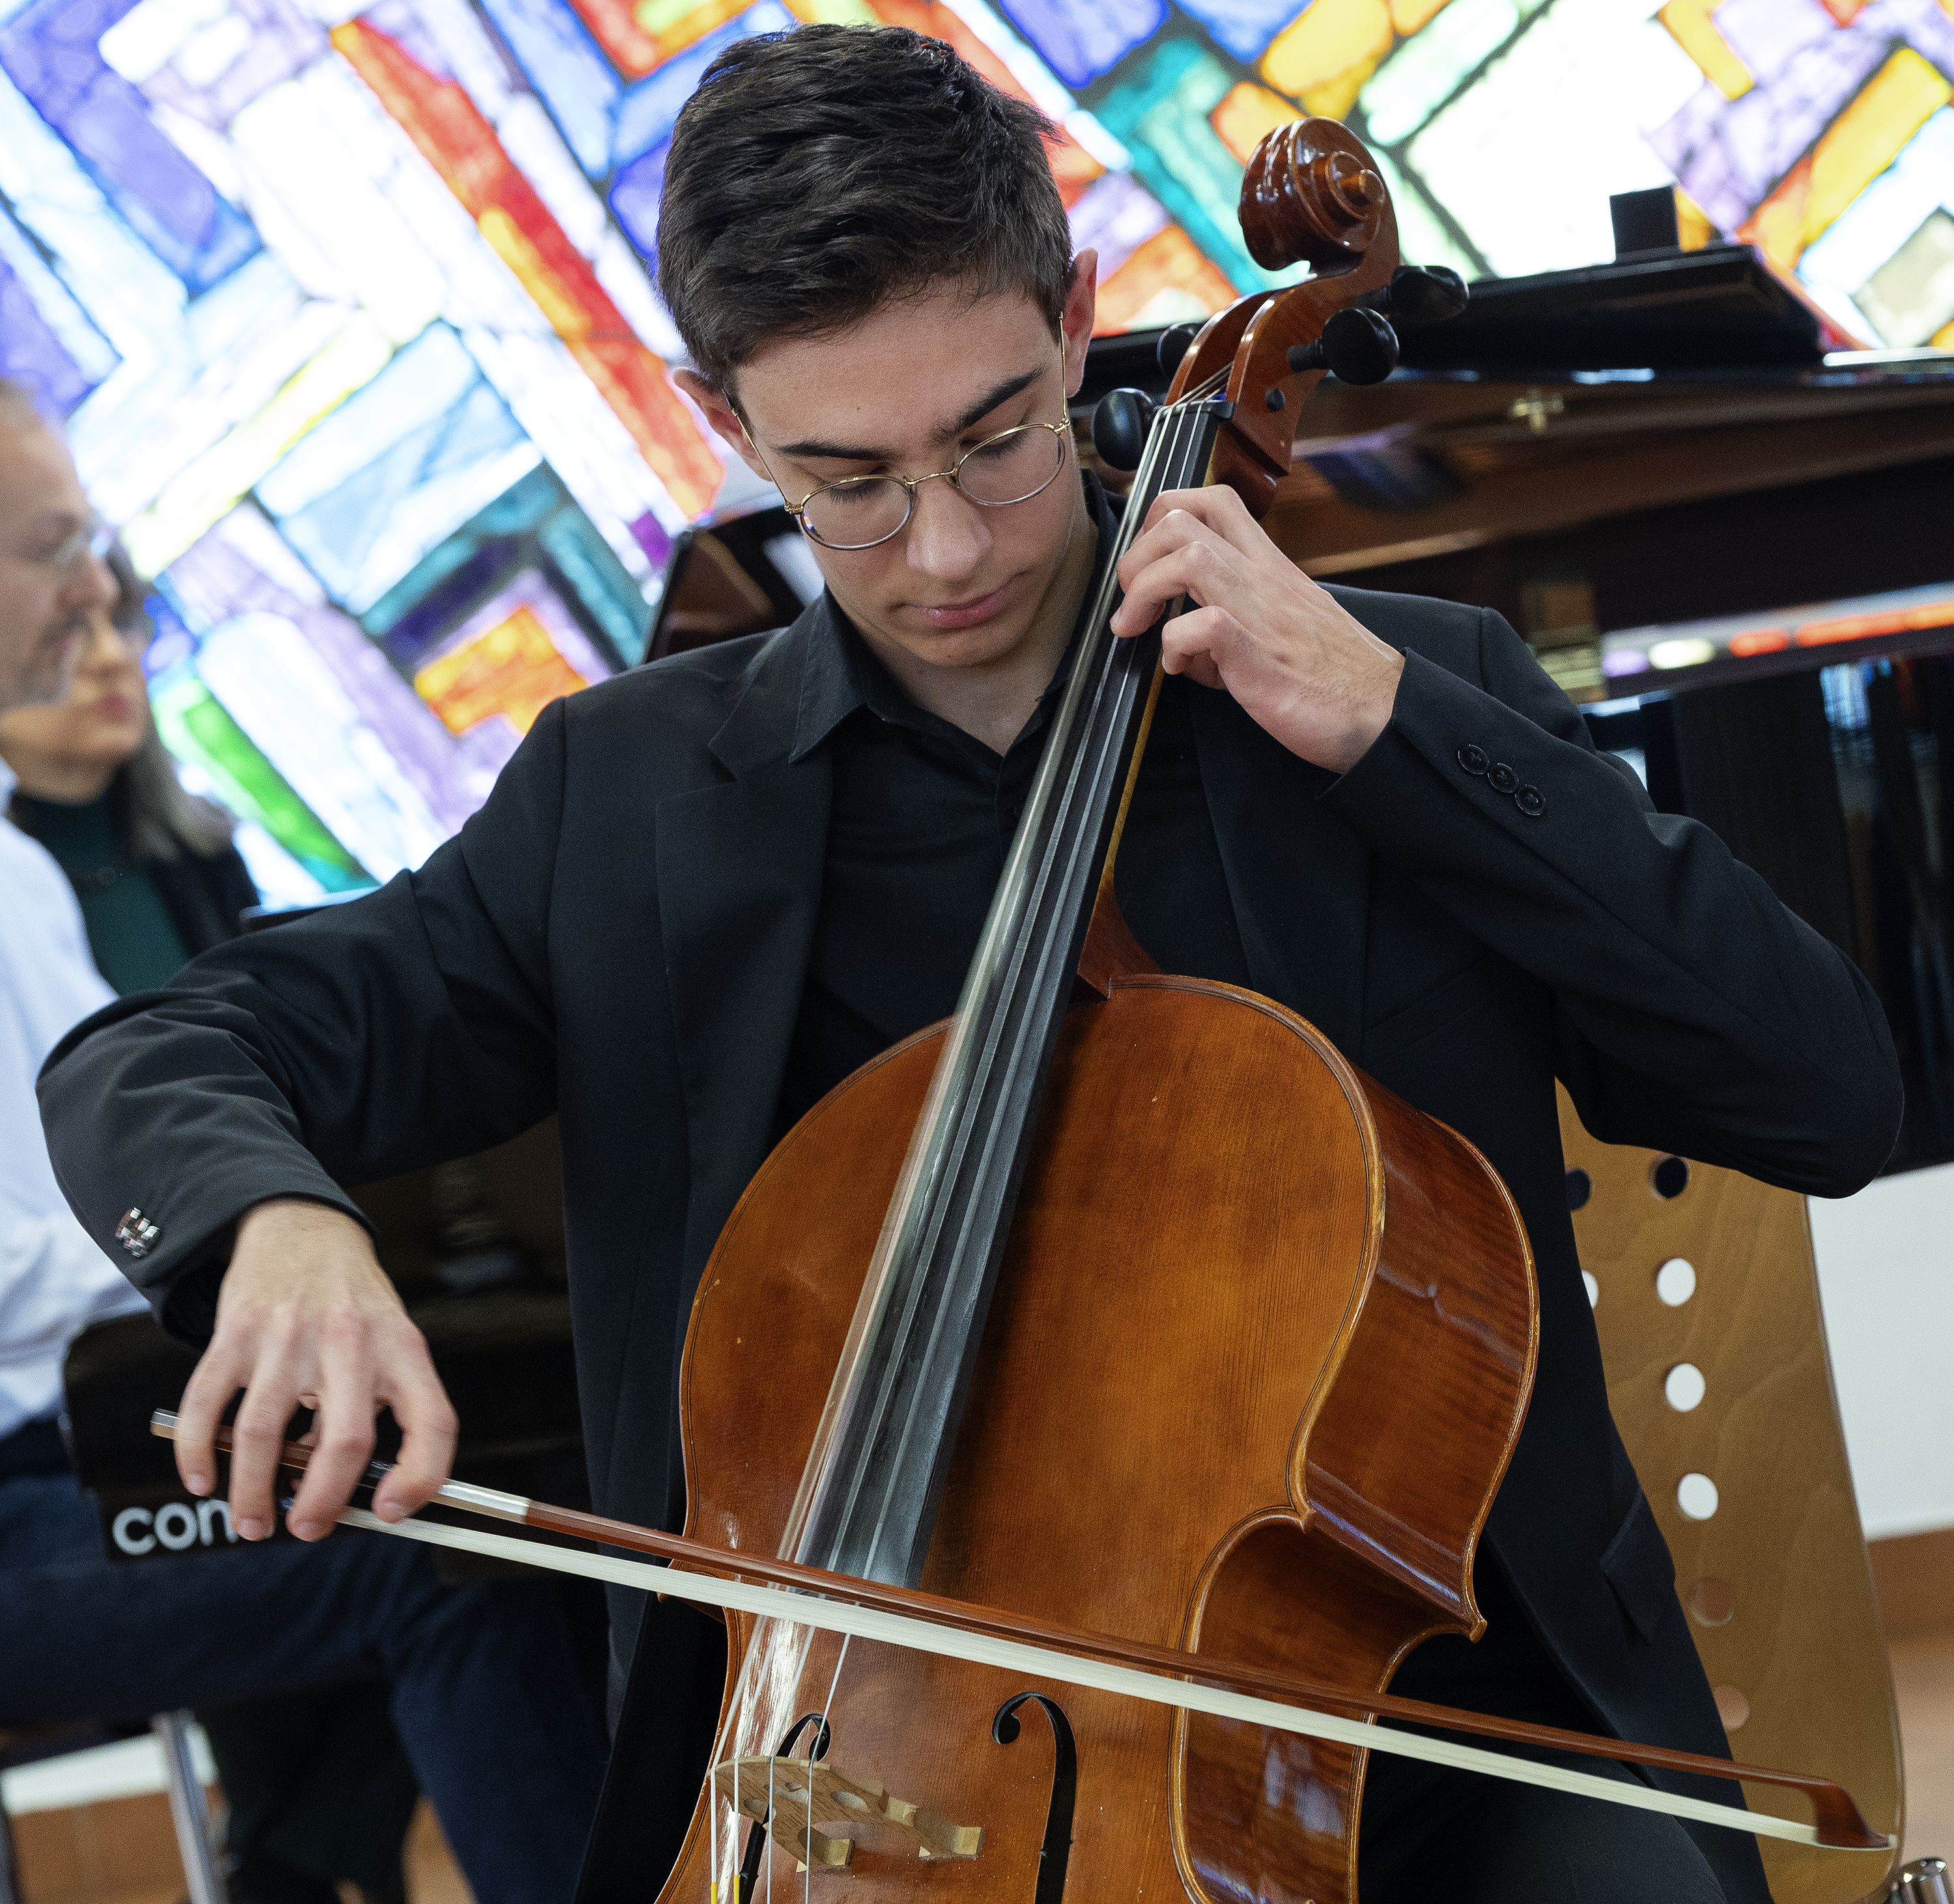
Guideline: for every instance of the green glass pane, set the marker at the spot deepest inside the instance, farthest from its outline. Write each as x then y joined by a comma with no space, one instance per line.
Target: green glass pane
197,728
1160,113
600,582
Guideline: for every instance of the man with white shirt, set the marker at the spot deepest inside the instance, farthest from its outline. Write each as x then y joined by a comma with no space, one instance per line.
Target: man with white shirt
485,1691
53,1280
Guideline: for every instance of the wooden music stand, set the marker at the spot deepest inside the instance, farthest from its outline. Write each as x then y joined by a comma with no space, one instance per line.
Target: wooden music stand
1775,1580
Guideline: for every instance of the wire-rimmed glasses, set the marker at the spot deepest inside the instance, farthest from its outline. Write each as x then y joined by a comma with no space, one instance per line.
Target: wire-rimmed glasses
89,541
859,511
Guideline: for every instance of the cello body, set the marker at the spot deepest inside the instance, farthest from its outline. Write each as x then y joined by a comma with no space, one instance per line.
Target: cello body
1262,1343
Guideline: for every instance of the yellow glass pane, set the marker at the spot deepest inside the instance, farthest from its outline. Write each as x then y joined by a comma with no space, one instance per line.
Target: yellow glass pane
1943,338
513,668
675,24
1689,21
1776,227
1408,15
1866,138
1693,228
1328,43
1248,115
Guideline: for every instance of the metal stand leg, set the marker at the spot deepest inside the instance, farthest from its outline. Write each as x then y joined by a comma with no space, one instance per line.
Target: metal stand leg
191,1817
1924,1881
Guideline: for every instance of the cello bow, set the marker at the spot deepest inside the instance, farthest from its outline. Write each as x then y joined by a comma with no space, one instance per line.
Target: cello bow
772,1588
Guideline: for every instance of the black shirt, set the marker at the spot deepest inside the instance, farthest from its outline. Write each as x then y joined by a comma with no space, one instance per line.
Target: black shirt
923,816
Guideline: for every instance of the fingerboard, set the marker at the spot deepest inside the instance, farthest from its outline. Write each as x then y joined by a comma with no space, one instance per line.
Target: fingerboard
868,1498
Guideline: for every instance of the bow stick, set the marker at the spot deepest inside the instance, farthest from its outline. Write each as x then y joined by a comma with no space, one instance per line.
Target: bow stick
992,1636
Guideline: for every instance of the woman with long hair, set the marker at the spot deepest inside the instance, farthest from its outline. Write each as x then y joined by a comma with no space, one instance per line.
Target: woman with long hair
153,866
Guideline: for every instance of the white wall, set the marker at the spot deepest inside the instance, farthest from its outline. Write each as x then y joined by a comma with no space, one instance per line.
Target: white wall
1885,1274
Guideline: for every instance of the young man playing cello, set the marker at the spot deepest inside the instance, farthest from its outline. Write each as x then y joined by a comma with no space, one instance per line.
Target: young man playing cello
702,894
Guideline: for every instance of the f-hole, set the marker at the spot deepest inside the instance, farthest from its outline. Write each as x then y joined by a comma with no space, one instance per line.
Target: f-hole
756,1833
1056,1852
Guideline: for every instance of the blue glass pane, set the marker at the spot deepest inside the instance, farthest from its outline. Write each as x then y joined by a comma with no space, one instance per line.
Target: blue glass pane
55,307
1081,38
48,49
1244,27
30,353
635,193
396,468
647,112
565,66
536,524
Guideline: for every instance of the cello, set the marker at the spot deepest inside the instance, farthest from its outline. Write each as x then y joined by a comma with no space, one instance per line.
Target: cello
1090,1309
1143,1253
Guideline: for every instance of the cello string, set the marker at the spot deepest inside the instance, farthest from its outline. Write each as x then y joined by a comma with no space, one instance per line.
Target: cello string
1040,1662
827,1706
993,1044
741,1718
1167,442
821,1732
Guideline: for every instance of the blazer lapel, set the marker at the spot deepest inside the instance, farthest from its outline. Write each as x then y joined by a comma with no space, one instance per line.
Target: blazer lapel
1299,879
738,878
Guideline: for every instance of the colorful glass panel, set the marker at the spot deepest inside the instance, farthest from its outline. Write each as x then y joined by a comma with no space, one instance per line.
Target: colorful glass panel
350,309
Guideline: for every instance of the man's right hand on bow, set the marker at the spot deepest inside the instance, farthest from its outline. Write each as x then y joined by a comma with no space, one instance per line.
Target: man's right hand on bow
306,1317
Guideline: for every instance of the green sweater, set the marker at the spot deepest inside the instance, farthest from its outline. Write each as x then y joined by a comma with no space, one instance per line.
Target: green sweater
135,941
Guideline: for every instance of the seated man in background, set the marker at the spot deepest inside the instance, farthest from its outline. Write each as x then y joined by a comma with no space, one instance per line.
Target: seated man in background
485,1688
317,1788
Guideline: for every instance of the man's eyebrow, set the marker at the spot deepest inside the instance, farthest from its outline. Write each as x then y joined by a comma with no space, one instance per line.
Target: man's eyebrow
1000,393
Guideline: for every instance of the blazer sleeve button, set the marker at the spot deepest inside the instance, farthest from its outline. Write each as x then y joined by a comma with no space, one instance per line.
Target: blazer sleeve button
1501,778
1472,759
1531,801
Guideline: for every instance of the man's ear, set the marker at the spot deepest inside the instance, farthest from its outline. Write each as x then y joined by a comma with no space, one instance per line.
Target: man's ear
1082,305
719,411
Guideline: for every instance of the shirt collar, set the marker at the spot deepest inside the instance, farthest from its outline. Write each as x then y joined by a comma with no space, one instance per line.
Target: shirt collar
843,675
9,780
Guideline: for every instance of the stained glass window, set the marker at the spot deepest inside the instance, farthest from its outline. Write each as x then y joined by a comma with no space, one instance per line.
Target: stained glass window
350,308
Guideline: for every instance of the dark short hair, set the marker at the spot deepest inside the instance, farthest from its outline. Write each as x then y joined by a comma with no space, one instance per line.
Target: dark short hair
820,173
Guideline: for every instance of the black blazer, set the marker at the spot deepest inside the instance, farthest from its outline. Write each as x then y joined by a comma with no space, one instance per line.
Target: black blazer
620,935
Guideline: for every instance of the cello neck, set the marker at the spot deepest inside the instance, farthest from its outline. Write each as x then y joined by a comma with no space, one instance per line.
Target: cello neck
868,1497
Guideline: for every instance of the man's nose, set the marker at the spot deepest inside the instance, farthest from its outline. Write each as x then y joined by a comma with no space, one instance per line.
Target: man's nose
89,585
948,537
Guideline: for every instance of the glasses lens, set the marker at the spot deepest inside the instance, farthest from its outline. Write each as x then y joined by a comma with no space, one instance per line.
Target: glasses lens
856,514
1011,467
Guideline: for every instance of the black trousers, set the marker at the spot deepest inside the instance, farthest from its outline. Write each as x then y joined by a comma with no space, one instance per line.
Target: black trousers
1427,1836
1426,1833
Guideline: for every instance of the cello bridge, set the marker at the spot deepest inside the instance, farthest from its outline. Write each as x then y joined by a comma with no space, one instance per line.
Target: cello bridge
802,1794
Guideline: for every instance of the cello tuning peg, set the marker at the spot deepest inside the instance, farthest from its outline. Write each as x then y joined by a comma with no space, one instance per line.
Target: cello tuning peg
1426,294
1120,420
1174,344
1358,346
